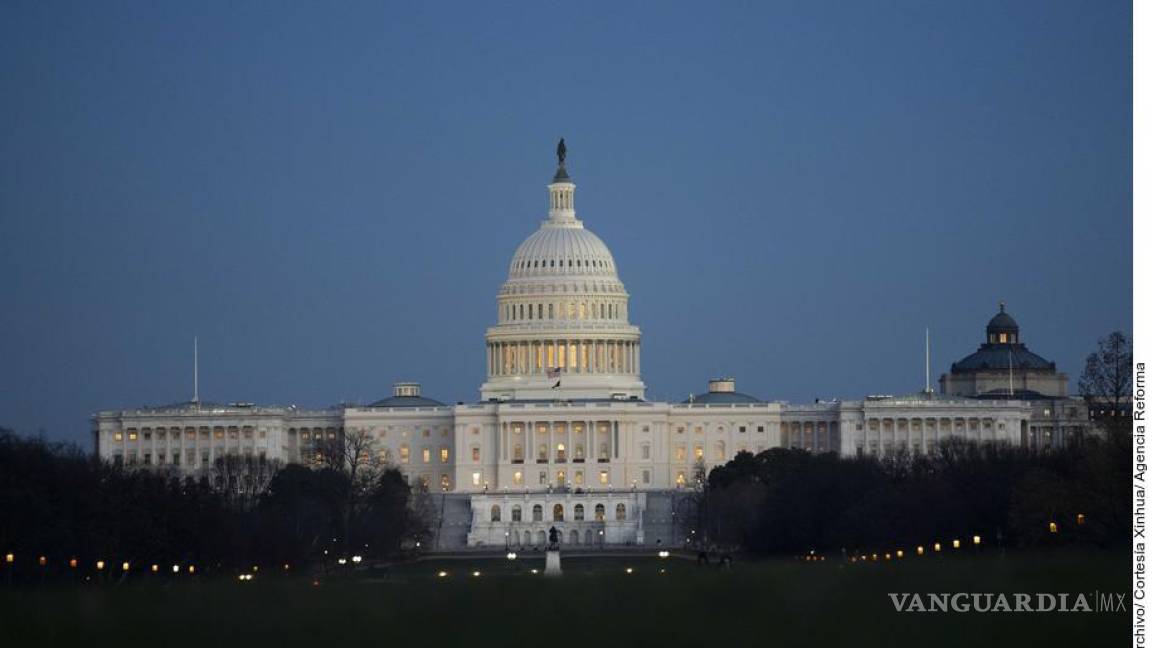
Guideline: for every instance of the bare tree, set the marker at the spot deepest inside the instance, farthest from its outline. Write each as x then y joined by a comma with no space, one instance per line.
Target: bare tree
1106,383
353,454
243,479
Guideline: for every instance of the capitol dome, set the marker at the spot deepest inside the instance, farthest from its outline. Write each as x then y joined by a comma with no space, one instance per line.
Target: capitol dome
562,327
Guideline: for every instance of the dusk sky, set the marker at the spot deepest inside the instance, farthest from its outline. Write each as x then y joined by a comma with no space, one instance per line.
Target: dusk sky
328,194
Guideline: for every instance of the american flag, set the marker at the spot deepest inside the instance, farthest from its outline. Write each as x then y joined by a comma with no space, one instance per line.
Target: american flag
554,372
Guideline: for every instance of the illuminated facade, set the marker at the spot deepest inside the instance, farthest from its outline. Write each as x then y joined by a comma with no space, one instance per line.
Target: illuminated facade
562,420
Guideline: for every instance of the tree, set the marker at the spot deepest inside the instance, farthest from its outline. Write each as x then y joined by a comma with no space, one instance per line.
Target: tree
353,454
1106,383
241,480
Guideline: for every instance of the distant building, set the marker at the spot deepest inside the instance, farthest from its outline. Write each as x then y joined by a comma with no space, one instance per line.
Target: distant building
1004,368
562,434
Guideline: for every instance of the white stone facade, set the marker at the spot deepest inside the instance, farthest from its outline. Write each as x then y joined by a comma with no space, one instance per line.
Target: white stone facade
562,409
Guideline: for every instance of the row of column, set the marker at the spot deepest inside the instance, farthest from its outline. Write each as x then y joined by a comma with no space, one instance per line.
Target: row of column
595,436
817,436
571,356
878,432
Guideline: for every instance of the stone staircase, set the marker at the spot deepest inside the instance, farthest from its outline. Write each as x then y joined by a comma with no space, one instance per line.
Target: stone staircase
453,520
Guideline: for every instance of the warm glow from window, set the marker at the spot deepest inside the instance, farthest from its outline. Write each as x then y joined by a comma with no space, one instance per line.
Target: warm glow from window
443,455
476,477
604,477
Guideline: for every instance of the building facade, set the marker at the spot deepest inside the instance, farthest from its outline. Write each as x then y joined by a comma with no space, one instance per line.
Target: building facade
562,434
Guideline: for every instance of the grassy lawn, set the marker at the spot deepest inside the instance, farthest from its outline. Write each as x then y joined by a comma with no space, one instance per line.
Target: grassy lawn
596,602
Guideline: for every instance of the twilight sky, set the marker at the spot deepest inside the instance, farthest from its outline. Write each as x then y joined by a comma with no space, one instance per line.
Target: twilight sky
328,194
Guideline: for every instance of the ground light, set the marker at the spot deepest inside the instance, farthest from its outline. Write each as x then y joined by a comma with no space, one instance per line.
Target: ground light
535,571
1052,528
935,546
899,553
976,540
956,543
9,558
663,553
475,574
357,559
920,550
1080,519
124,566
442,574
155,568
43,560
191,569
511,555
628,570
343,561
72,563
175,569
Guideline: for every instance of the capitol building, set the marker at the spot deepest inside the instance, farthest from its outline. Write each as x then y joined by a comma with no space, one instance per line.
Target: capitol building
563,435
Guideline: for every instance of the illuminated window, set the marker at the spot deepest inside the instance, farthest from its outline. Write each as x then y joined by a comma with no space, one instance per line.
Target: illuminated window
604,477
698,453
476,477
518,478
598,513
681,453
681,480
475,453
558,513
131,434
404,453
426,454
118,436
561,452
445,482
579,478
443,455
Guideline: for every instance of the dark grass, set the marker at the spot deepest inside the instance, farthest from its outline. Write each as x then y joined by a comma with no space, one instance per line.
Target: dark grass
771,603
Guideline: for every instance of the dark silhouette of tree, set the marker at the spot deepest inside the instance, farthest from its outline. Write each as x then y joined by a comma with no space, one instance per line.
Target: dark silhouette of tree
1106,383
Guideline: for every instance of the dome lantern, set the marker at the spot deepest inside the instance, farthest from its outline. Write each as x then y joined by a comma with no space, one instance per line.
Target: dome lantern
1003,329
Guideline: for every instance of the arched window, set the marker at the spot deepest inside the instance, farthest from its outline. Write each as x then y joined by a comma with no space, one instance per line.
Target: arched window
517,514
588,536
599,512
621,512
575,537
558,513
578,513
537,513
495,513
541,539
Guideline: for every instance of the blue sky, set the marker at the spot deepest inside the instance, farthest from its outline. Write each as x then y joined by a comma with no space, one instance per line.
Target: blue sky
328,194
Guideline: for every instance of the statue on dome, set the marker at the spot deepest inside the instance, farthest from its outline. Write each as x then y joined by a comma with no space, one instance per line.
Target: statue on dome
561,151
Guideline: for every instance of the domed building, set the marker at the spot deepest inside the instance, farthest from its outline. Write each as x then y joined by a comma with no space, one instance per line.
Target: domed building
562,329
1004,368
562,435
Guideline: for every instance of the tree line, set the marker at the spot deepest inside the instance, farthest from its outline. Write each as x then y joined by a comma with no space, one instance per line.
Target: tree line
61,503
